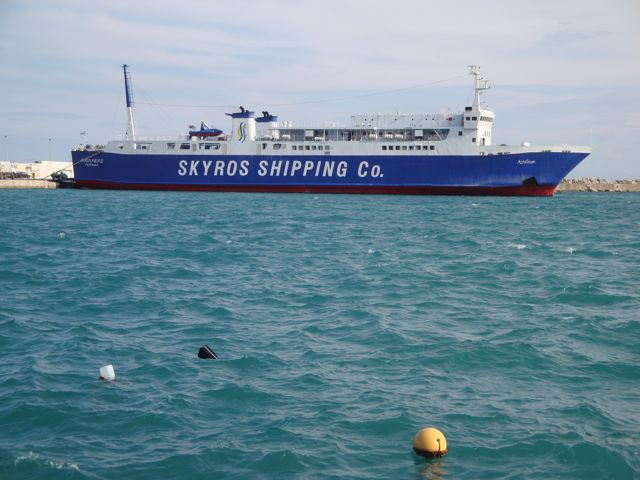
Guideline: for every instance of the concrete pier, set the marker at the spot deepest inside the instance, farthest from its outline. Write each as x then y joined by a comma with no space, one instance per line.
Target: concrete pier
27,183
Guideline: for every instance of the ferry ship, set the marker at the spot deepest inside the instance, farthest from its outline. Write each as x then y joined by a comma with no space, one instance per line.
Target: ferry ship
430,154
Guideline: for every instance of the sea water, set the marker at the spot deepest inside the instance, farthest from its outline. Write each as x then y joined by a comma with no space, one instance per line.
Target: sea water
342,325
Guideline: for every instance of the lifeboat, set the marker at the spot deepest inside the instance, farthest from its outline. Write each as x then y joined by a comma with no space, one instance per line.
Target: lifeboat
205,131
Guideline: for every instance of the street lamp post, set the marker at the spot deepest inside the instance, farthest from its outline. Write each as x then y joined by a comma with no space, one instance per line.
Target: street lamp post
5,148
50,149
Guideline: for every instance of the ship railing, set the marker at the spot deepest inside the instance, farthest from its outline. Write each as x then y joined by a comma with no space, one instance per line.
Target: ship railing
150,138
327,125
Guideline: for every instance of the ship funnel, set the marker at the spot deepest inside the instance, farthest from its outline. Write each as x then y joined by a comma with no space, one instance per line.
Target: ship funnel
131,134
243,126
267,126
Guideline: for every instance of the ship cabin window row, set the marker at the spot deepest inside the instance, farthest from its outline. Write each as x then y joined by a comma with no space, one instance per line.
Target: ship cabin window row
408,147
310,147
282,146
482,118
209,146
192,146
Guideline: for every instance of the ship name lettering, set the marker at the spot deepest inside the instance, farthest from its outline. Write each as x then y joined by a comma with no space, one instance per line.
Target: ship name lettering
364,171
220,168
92,161
288,168
274,168
182,168
526,161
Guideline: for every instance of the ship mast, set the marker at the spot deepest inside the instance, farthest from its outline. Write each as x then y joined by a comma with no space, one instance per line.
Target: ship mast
131,133
480,85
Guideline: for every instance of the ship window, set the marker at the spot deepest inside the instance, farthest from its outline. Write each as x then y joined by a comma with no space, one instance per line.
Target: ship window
418,147
171,146
431,147
474,118
460,133
327,147
473,139
277,146
410,147
397,147
264,146
185,146
468,118
307,147
384,147
404,147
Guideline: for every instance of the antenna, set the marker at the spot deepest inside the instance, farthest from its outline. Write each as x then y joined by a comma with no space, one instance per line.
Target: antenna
130,134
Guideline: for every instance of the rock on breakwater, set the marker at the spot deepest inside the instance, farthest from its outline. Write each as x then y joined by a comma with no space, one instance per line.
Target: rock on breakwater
598,185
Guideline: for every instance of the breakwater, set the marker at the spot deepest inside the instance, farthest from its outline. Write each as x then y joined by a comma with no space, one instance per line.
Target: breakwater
598,185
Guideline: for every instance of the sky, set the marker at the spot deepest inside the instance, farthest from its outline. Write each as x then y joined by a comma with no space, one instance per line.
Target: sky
562,72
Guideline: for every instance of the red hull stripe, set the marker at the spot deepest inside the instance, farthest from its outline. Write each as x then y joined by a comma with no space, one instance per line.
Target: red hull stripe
526,190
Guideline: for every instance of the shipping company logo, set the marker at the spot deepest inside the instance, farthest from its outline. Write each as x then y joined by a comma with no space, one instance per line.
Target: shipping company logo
242,132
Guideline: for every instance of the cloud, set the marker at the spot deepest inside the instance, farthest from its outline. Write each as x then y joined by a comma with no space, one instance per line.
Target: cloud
569,36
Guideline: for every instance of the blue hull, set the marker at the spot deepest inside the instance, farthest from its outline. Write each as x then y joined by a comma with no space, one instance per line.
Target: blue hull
536,173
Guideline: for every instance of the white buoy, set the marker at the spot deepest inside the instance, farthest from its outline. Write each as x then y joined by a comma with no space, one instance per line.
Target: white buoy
107,373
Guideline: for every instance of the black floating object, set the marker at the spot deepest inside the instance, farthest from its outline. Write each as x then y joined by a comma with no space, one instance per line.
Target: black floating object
206,352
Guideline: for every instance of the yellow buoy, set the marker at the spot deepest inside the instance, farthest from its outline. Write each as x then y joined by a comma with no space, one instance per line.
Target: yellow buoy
430,442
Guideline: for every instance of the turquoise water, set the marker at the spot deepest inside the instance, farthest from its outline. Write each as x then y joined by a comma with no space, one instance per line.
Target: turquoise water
343,325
